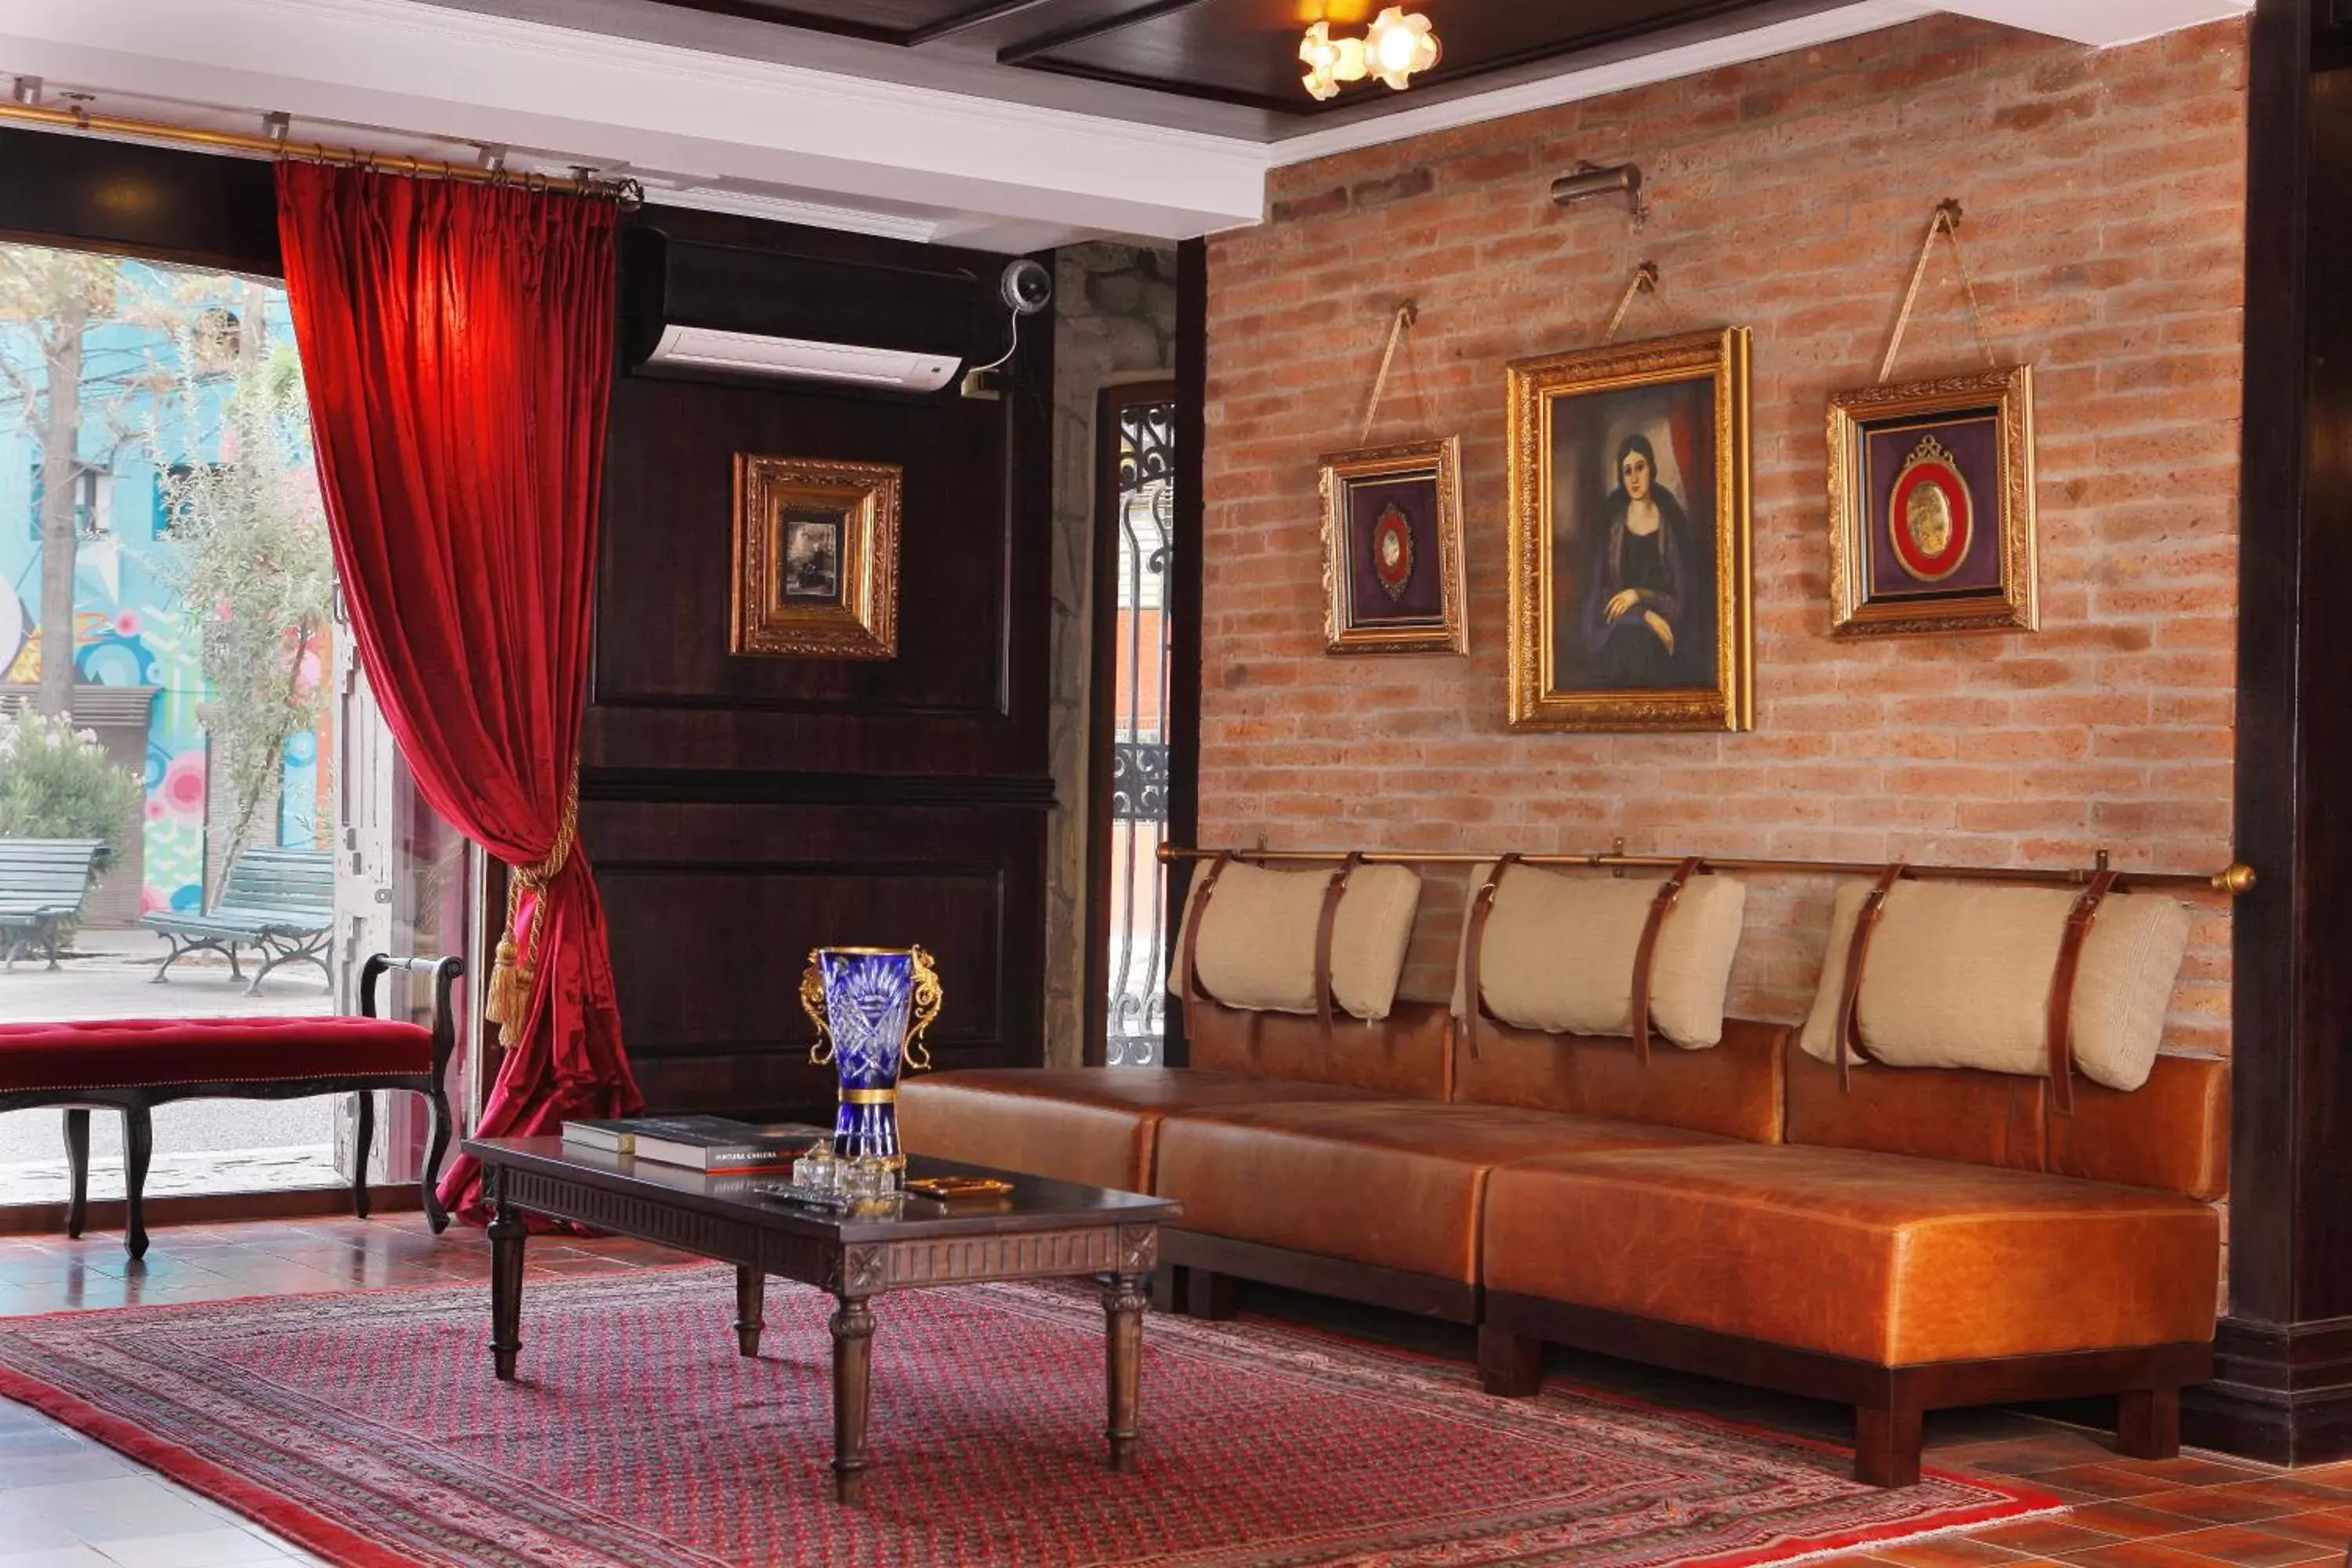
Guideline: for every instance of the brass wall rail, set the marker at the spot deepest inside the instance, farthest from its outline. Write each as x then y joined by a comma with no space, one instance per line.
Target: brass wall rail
628,192
2226,883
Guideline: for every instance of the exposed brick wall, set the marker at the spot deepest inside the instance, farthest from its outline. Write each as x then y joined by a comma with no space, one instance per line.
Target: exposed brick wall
2103,195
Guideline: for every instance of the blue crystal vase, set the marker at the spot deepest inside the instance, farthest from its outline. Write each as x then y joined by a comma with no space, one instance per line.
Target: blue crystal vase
871,1006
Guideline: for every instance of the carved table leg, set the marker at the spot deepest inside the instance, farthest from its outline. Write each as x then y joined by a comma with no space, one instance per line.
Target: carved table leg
751,1315
1124,1300
853,1360
507,1233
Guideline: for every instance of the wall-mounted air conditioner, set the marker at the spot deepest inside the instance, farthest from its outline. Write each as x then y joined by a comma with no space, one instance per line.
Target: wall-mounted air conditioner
690,348
735,312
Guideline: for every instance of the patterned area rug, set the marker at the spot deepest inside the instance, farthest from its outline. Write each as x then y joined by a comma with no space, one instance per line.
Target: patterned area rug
368,1429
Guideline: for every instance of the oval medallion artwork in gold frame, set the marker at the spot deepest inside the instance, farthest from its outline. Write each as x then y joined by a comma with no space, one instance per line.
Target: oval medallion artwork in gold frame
817,558
1629,553
1393,550
1931,506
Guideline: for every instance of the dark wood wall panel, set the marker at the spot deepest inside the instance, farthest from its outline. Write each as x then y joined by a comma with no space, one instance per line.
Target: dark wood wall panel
713,909
741,811
967,694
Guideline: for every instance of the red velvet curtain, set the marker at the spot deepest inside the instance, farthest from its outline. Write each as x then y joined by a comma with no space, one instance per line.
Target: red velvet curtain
458,344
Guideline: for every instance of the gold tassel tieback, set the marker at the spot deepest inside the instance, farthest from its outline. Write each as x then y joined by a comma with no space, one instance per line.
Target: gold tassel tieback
517,967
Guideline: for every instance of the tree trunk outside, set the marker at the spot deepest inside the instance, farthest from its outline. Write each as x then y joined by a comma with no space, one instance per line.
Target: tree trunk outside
60,483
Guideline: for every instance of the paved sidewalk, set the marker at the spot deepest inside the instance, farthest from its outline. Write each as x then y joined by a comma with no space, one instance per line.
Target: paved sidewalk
201,1145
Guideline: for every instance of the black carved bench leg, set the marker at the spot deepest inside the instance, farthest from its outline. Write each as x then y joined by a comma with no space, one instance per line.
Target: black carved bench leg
137,1146
436,1144
362,1139
77,1169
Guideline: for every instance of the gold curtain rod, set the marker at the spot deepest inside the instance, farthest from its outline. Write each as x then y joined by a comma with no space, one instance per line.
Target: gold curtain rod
2228,883
628,192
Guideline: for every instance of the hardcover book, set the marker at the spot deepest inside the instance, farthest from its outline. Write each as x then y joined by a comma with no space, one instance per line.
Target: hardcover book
712,1143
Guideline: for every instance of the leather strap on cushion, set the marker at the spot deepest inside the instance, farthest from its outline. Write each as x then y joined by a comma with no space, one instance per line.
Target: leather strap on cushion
1482,906
2061,1029
1646,952
1865,922
1324,923
1192,931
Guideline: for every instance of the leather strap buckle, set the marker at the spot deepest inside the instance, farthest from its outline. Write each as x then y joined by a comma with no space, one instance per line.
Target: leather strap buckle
2060,1026
1193,933
1670,893
1325,923
1473,943
1849,1019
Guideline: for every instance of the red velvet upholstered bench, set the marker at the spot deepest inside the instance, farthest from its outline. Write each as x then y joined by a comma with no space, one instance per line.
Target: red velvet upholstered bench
134,1064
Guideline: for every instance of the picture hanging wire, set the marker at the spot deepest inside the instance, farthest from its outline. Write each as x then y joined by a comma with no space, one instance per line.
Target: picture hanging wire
1946,222
1643,281
1406,315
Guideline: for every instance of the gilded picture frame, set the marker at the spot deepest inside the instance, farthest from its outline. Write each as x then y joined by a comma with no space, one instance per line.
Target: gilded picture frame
1631,550
817,558
1393,550
1931,509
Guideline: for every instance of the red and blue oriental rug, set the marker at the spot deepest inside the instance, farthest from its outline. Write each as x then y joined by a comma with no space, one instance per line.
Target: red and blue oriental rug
368,1428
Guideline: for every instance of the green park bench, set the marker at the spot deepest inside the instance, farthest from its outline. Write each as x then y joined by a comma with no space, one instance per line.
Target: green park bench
43,882
279,903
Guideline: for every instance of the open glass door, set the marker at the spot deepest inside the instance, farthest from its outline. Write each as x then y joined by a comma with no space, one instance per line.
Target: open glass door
177,689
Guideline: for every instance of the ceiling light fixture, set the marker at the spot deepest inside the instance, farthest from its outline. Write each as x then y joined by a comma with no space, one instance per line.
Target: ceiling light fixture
1393,51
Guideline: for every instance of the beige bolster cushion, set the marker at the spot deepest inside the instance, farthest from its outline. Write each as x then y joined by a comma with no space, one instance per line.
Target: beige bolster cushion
1958,976
1257,938
1559,954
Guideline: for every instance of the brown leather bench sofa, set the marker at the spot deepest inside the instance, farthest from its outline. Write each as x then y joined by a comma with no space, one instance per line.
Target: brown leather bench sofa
1927,1237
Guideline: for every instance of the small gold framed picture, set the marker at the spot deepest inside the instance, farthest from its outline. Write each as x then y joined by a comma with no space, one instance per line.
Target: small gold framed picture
1629,545
1931,506
817,558
1393,550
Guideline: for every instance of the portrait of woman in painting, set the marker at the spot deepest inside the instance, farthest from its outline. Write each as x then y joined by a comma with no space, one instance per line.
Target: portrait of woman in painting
1639,580
1629,537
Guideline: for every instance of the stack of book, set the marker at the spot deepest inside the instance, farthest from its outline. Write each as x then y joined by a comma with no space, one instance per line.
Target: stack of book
709,1144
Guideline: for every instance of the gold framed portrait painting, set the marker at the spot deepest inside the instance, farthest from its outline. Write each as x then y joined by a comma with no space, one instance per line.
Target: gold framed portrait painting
817,558
1931,506
1630,603
1393,550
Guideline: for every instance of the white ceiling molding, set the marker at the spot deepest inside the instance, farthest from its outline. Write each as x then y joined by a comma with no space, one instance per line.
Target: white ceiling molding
619,103
2101,23
785,209
1617,76
772,139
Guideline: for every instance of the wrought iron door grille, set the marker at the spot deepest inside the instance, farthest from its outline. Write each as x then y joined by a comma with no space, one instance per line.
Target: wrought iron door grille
1138,784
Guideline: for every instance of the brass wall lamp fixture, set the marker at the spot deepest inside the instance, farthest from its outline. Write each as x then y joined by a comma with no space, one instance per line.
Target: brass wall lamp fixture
1589,180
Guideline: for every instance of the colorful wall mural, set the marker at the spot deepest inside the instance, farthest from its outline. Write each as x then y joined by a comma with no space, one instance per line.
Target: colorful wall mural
142,414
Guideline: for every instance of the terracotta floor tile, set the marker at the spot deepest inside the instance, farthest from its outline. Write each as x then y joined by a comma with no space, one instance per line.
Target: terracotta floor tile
2328,1527
2107,1480
1949,1552
2338,1474
2235,1504
2248,1548
2193,1470
2131,1519
2051,1451
2137,1555
2045,1536
2297,1488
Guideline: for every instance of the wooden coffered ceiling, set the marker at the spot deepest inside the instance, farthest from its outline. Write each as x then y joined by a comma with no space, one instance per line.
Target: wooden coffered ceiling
1245,51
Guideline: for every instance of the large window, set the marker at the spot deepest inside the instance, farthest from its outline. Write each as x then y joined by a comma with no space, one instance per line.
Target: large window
176,682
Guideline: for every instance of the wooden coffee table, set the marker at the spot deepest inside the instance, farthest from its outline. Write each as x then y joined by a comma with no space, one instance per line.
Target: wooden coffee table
1043,1230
